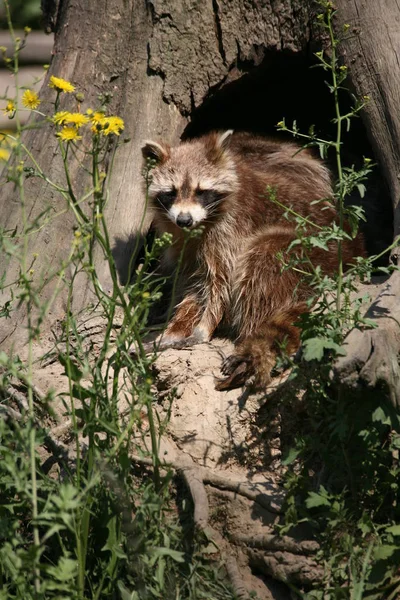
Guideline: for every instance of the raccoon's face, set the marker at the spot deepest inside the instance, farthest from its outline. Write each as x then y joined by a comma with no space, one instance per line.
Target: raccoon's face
190,182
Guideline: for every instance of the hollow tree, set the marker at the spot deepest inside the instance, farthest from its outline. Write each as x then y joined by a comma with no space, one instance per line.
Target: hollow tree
177,68
182,67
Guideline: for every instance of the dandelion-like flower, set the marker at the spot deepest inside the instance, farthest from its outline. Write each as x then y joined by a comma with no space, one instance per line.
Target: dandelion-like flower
61,85
60,117
113,125
10,108
95,117
107,125
30,99
68,134
77,119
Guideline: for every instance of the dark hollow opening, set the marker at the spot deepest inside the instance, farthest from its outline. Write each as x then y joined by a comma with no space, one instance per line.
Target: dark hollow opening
289,86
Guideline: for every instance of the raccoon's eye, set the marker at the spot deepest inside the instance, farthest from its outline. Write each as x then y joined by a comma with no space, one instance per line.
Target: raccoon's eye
166,198
207,197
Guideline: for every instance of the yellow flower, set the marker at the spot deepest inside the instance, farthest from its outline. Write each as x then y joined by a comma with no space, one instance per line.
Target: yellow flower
69,133
60,117
95,117
4,154
30,99
61,85
10,108
113,125
107,125
76,119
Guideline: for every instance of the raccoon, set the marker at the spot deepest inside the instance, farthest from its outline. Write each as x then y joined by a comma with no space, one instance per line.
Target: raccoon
231,272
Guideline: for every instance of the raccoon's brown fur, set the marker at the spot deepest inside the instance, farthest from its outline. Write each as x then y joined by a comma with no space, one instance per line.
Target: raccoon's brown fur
231,271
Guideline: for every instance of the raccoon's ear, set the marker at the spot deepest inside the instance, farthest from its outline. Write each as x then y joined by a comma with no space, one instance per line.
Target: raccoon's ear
155,151
224,139
217,143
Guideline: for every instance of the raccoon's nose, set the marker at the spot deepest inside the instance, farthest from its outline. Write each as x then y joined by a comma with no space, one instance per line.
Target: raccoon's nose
184,220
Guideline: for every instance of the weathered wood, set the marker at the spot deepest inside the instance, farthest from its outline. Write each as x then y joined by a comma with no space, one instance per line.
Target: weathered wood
89,53
370,49
196,47
372,359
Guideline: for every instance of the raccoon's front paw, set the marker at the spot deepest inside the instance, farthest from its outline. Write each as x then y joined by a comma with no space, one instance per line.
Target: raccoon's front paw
237,370
199,335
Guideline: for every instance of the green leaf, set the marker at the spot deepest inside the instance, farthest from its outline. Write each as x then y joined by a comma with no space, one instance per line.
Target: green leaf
393,529
291,456
65,570
384,552
74,371
379,416
3,358
361,189
395,442
81,393
370,322
314,348
317,242
314,500
125,593
174,554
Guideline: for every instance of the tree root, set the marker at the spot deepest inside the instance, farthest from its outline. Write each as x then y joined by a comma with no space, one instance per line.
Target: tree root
276,543
267,495
195,483
282,558
372,355
286,567
10,413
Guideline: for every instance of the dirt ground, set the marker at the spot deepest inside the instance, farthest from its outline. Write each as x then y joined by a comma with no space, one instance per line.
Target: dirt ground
227,447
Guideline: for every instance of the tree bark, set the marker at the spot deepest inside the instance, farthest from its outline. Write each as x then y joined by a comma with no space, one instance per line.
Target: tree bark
370,49
99,48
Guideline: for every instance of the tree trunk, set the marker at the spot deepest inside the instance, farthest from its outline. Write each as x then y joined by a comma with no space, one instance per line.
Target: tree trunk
370,49
100,49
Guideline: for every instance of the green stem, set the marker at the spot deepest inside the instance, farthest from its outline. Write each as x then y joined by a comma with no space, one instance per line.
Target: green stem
32,433
337,146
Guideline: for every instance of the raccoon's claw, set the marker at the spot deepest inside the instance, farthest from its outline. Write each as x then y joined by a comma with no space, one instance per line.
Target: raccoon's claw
230,363
237,369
